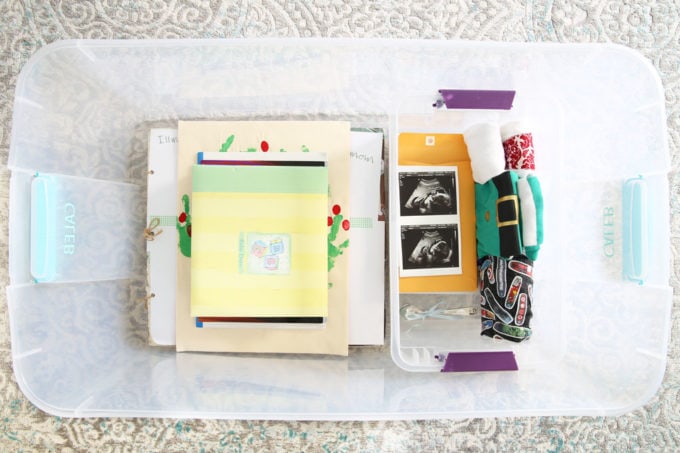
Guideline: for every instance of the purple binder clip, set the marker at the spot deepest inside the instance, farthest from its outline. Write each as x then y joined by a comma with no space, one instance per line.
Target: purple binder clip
457,362
476,99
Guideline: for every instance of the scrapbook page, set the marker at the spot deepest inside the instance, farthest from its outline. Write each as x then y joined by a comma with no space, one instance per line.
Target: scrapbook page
367,236
333,138
162,248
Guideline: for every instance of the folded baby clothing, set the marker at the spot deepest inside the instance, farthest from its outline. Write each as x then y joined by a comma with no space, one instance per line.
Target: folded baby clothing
506,288
509,225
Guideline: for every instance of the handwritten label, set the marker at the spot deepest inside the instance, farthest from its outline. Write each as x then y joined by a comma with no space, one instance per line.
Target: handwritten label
165,139
361,157
69,229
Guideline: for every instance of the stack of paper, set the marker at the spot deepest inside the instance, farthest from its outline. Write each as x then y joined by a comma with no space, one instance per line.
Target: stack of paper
252,137
214,273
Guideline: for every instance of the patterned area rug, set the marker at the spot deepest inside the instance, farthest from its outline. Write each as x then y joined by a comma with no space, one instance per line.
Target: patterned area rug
652,28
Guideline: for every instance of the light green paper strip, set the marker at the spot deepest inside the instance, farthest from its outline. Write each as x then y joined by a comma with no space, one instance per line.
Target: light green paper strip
361,222
165,220
259,179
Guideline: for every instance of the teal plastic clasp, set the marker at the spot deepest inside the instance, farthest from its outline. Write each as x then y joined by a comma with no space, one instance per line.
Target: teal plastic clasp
43,238
635,230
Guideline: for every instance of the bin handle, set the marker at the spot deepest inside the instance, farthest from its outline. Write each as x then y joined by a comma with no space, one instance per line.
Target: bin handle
42,228
635,230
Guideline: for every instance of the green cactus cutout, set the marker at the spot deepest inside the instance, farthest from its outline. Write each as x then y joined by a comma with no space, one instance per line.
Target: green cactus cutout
183,225
251,149
225,146
335,250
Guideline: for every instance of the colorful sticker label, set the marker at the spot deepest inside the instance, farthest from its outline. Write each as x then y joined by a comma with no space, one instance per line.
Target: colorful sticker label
490,274
265,253
501,278
488,314
514,292
487,262
521,310
496,307
521,268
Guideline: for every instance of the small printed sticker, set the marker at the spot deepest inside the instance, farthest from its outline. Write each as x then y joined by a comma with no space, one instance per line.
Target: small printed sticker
496,307
267,254
521,268
490,274
521,309
500,277
513,293
488,314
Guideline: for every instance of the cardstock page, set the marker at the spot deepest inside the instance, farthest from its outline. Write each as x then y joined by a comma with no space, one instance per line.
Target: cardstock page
258,245
367,236
426,221
162,250
330,137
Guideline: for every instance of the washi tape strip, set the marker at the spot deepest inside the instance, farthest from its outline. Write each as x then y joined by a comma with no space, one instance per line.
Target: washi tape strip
480,361
476,99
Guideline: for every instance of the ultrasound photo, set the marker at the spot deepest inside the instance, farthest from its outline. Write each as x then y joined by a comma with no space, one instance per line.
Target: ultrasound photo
425,193
430,249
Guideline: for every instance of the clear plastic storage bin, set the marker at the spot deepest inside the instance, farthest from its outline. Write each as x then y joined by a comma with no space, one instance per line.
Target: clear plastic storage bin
82,113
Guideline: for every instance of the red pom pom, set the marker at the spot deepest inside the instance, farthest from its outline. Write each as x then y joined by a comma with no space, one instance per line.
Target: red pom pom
330,221
264,146
336,209
345,224
182,217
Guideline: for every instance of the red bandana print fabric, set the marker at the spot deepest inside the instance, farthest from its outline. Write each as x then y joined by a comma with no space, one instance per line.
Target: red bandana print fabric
519,152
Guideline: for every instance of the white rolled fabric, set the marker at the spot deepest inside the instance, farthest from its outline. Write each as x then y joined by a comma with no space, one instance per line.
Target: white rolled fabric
527,209
485,150
508,131
514,128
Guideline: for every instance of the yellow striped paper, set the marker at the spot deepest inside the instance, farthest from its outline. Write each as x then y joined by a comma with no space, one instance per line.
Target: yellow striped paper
222,281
